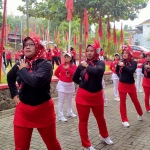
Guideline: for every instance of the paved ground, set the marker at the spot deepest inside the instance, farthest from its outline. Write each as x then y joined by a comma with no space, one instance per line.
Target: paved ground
136,137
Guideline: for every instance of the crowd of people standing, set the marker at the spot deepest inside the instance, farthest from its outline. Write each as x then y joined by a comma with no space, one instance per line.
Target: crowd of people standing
33,71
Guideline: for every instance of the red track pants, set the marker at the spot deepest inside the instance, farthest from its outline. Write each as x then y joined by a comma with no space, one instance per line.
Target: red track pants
135,101
147,97
23,137
83,113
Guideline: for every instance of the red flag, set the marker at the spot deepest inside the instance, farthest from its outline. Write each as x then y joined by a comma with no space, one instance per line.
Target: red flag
16,30
75,40
121,35
100,30
130,39
69,6
115,36
85,23
108,29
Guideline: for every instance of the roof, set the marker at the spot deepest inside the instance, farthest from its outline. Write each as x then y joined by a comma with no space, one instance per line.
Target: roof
145,22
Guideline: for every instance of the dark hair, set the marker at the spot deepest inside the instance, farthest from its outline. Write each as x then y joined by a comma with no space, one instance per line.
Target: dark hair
143,54
71,48
116,54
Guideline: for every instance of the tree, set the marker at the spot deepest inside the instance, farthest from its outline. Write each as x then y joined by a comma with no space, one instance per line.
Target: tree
1,4
126,27
51,9
116,9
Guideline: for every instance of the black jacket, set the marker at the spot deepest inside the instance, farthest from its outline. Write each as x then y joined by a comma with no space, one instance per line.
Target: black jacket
145,71
34,87
95,75
126,74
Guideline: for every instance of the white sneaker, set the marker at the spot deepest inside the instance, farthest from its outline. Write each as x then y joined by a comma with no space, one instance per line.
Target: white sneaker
126,124
108,141
105,103
89,148
140,91
63,119
139,118
71,115
117,99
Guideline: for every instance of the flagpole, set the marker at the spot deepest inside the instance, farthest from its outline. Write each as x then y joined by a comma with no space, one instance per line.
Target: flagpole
48,26
6,27
48,31
69,36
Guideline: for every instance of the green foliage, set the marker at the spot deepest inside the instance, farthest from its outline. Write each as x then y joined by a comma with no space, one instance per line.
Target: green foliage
1,4
50,9
126,27
0,18
55,11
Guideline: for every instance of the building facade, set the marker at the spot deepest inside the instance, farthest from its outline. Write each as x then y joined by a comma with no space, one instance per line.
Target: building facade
141,36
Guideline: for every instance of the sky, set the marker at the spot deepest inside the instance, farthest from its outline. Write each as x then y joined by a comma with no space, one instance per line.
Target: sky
143,15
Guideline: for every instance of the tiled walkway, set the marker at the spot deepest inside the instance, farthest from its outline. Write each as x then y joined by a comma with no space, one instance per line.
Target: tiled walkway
137,137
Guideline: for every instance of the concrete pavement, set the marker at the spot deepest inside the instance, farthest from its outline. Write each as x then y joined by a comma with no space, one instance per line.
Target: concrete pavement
136,137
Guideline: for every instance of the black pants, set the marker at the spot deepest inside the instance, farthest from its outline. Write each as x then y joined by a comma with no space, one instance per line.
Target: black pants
55,59
9,61
59,60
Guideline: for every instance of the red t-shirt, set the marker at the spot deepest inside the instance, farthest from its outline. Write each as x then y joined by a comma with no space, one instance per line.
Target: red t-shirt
49,55
54,52
101,53
17,55
113,66
58,53
140,62
63,74
21,52
9,55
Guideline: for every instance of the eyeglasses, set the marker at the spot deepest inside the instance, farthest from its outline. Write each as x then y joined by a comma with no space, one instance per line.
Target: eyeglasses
29,44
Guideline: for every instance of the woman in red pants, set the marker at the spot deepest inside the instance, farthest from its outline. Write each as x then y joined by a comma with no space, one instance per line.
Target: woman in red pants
125,70
90,95
146,82
34,106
